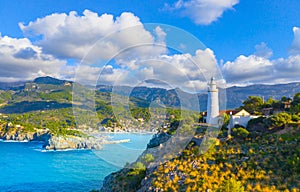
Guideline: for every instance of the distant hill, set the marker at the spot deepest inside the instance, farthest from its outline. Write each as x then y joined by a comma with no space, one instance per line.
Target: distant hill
234,95
40,80
172,97
49,80
143,96
11,85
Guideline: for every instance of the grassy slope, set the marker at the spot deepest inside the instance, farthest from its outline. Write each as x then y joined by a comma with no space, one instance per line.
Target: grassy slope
262,163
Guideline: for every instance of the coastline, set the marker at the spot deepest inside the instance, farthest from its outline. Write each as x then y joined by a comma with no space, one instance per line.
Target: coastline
26,168
133,132
113,178
15,141
40,142
60,150
49,146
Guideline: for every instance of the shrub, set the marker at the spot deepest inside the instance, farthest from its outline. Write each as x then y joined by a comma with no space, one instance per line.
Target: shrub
240,132
138,168
148,158
256,121
281,119
295,117
231,185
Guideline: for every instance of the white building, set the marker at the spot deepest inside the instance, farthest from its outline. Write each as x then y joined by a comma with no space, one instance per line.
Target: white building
241,117
212,103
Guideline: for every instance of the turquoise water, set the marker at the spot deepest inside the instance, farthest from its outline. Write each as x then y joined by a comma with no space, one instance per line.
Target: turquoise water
24,167
119,154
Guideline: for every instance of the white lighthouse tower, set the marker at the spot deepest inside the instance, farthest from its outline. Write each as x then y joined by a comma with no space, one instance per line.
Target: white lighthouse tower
212,103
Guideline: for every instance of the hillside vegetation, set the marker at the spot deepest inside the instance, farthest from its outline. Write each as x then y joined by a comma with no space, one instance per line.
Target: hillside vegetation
264,156
47,103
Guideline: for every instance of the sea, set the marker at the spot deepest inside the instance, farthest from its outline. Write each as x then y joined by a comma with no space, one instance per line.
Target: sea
25,167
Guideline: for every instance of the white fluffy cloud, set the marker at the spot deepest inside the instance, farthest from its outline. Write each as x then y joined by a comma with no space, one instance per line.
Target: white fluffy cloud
258,68
203,12
106,75
139,54
248,69
262,50
189,72
295,49
72,36
287,69
20,60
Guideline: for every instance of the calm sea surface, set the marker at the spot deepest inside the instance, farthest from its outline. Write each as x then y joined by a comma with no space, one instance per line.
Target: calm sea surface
24,167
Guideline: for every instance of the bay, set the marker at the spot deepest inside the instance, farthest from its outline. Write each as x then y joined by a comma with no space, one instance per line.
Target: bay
25,167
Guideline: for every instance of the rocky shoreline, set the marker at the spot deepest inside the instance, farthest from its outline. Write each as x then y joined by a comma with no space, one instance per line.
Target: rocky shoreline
72,142
41,135
52,142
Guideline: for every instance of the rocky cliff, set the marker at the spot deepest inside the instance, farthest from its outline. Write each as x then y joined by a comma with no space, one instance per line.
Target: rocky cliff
72,142
51,142
19,135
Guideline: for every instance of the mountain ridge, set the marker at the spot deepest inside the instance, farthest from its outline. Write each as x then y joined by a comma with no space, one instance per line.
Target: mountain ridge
235,95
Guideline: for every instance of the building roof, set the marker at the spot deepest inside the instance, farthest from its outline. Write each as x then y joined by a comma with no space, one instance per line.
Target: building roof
228,111
242,112
234,112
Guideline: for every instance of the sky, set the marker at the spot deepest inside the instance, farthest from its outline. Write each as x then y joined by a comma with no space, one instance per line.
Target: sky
241,42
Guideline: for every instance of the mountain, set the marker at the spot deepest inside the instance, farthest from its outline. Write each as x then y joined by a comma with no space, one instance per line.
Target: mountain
236,95
11,85
49,80
40,80
143,96
171,97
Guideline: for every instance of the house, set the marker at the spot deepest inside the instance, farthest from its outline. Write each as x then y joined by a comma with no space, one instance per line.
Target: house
273,111
241,118
242,112
67,83
287,104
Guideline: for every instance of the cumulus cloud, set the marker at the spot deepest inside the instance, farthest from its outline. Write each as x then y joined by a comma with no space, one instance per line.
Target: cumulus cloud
161,35
186,71
139,55
262,50
202,12
288,68
252,69
258,68
20,60
248,69
72,36
105,75
26,53
191,71
295,49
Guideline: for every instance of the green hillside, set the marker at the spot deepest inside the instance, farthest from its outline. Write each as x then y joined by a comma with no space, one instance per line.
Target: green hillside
262,157
48,103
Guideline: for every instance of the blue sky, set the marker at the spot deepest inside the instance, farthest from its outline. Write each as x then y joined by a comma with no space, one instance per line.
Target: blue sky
240,27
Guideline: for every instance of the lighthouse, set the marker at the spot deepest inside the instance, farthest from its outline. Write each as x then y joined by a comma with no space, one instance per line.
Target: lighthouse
212,103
